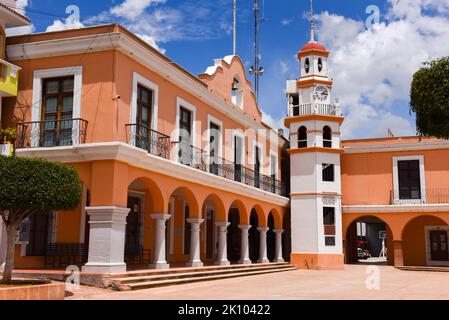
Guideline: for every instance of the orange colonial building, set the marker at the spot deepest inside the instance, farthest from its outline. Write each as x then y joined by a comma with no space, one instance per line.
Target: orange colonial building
180,170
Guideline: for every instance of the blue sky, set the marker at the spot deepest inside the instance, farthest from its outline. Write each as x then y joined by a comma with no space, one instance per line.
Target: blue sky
372,68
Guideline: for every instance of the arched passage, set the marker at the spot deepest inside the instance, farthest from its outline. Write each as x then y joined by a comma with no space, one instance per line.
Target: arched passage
236,216
182,206
254,237
369,240
213,211
271,238
425,242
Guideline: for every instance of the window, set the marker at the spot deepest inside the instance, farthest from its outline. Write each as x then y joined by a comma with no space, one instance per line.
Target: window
34,230
238,155
329,226
409,180
144,106
185,131
144,118
302,137
214,141
328,173
186,230
320,64
307,65
257,163
57,112
329,216
327,137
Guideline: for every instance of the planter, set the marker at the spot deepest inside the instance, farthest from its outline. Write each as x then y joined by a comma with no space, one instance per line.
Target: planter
33,290
6,149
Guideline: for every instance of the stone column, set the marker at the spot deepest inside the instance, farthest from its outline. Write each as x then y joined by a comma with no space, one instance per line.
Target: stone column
3,243
263,245
398,254
278,248
222,257
160,256
244,253
106,240
194,260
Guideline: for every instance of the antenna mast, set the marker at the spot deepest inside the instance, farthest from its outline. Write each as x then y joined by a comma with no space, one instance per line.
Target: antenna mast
312,23
234,42
256,69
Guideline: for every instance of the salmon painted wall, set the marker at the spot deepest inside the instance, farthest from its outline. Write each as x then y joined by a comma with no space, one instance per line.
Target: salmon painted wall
367,178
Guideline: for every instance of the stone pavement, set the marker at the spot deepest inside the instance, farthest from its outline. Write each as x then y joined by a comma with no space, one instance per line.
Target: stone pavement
350,283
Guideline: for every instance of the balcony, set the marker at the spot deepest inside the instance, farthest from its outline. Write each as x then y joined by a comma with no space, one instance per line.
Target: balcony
53,133
9,79
314,109
159,145
144,138
413,196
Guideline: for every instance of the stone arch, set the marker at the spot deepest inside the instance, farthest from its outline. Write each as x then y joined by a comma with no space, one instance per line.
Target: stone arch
261,217
352,241
278,218
416,246
221,213
159,200
195,211
243,212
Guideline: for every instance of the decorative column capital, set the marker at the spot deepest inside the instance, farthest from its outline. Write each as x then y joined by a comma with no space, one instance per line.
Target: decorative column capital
278,231
222,224
244,226
160,216
263,229
195,221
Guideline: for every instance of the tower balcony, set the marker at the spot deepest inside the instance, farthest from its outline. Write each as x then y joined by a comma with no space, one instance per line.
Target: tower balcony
307,109
9,79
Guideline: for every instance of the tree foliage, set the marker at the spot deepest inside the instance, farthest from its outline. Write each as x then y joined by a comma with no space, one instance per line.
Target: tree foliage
33,186
429,98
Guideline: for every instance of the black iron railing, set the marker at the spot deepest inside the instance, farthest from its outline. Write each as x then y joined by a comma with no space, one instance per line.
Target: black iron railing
201,160
411,195
51,133
145,138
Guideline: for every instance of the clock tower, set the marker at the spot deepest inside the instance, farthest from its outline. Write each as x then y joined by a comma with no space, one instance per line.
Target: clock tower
314,121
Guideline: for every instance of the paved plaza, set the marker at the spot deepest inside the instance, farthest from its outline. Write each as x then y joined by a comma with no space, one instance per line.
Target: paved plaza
355,282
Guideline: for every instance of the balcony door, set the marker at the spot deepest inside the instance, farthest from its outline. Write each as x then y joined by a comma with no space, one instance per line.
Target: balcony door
214,141
144,137
185,136
257,163
238,156
57,112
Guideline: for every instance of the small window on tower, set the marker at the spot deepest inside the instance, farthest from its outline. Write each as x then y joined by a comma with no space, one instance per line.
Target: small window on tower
320,64
307,65
302,137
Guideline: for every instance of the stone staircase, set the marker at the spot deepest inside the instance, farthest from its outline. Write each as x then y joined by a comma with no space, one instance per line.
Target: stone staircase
137,280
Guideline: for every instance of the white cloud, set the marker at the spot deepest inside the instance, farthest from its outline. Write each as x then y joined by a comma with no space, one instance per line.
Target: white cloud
373,68
286,22
272,122
151,41
58,25
21,6
131,9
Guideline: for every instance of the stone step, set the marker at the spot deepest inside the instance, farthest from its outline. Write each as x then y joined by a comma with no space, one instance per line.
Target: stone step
149,272
424,268
197,273
179,281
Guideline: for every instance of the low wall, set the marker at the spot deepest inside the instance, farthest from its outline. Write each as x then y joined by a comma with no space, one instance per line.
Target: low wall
51,291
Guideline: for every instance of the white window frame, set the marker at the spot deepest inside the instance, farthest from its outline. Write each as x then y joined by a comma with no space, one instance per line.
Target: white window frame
186,105
141,80
422,177
219,123
36,107
429,260
275,154
239,134
262,158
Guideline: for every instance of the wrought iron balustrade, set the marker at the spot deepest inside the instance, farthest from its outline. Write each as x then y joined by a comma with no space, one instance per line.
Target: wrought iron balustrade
51,133
147,139
412,195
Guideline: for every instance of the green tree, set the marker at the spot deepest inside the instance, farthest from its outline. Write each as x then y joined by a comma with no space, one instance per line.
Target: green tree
33,186
429,99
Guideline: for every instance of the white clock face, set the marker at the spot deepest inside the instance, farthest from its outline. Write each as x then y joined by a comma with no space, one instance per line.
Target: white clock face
321,93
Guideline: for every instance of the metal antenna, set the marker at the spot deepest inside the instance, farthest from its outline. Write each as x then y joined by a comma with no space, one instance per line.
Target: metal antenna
312,23
256,69
234,40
